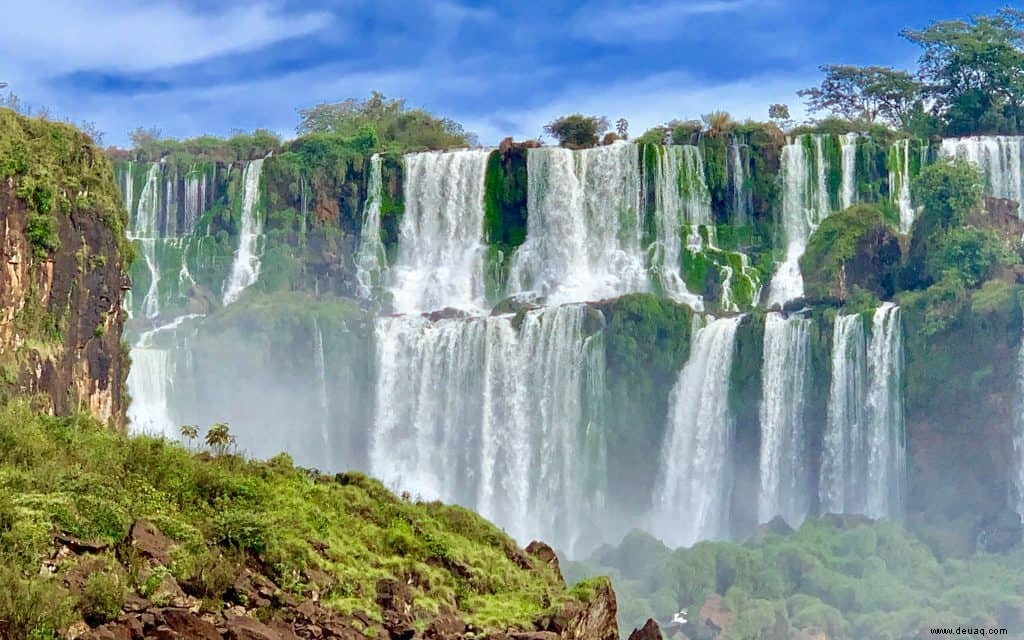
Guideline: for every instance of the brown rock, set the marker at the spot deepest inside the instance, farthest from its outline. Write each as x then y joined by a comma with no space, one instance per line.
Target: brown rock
245,628
150,542
546,555
112,631
649,631
593,620
446,626
715,614
189,625
533,635
77,545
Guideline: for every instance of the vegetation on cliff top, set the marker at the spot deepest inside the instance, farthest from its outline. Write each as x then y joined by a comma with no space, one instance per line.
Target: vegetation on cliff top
74,476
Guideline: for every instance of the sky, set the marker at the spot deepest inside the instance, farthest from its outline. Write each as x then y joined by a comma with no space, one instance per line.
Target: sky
504,67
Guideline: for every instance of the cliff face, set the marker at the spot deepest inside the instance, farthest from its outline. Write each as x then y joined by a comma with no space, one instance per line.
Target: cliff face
62,278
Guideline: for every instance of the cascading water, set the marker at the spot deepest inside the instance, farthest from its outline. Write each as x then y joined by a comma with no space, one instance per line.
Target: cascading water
784,455
441,240
195,198
150,381
741,205
1000,159
694,485
848,188
899,183
583,238
681,199
864,458
498,419
144,231
371,259
245,269
321,374
805,202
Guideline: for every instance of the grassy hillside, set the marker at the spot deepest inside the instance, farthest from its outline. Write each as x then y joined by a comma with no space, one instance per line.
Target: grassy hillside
329,538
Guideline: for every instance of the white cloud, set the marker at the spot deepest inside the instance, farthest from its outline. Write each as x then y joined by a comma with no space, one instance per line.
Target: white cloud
58,36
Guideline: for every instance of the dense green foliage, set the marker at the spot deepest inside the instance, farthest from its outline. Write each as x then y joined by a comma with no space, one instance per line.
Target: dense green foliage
846,580
73,475
395,125
577,131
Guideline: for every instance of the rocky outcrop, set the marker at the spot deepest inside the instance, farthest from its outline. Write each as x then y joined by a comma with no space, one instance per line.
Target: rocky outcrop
649,631
62,272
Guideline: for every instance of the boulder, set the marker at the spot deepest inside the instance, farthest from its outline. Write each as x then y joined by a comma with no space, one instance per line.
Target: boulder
649,631
593,620
245,628
145,538
546,555
112,631
189,625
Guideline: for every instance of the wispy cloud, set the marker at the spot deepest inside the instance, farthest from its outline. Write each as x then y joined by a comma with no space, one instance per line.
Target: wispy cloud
66,35
611,22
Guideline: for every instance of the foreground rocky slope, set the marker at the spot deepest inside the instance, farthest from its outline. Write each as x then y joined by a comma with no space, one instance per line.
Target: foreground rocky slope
63,249
106,536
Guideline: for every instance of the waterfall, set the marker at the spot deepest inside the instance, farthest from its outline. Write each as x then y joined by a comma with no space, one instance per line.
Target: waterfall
864,459
144,231
495,418
848,188
321,374
170,209
694,485
245,269
1017,479
784,460
681,198
899,183
805,202
741,205
371,258
441,240
583,238
150,382
195,198
999,158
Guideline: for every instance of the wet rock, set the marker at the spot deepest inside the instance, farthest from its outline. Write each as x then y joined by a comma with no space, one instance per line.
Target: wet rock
448,313
777,526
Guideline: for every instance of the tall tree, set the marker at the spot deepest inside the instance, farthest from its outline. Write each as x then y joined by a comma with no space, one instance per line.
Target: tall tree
973,71
864,93
577,131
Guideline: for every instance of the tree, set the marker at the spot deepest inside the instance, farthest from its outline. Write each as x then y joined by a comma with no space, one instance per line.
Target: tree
142,137
577,131
390,120
622,128
864,93
190,432
973,71
90,129
219,438
717,122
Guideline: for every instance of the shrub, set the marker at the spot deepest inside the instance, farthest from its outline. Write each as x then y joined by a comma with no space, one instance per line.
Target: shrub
36,608
41,230
968,254
102,596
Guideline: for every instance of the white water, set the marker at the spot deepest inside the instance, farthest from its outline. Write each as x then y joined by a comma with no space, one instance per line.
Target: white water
848,188
1000,159
144,231
805,203
738,184
584,229
195,198
681,201
899,183
784,454
441,240
692,493
371,258
864,458
321,374
245,269
150,383
497,419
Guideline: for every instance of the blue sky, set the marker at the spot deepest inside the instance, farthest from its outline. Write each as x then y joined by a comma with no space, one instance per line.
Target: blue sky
501,67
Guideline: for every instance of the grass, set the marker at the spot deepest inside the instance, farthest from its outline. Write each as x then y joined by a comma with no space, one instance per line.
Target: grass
73,475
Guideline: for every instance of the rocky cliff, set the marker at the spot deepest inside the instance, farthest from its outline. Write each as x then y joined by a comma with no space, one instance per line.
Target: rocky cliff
62,279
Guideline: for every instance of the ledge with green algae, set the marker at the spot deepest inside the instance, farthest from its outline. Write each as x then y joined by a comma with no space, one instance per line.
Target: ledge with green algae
75,476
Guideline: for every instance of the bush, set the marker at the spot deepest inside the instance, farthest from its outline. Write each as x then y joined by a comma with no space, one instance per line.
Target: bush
41,230
968,254
102,596
36,608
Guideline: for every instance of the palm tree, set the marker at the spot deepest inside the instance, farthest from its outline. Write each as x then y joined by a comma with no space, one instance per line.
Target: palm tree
190,432
219,438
